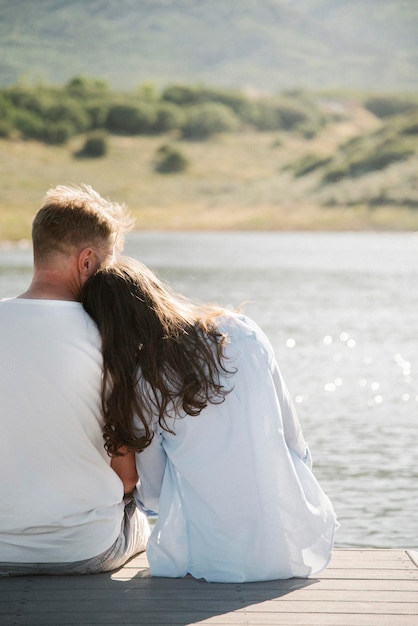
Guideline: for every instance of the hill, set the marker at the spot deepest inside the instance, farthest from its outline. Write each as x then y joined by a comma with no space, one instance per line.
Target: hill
266,45
357,173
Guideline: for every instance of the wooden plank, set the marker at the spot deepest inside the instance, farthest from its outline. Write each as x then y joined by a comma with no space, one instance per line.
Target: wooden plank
352,591
359,574
190,605
223,606
369,555
211,595
233,619
378,564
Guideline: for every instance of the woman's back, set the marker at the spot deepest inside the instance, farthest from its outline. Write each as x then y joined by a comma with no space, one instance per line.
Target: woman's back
237,499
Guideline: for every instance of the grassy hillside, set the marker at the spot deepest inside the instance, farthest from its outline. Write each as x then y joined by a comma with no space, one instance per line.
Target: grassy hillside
267,45
240,180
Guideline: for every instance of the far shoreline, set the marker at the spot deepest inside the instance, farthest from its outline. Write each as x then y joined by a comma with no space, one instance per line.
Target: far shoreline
26,243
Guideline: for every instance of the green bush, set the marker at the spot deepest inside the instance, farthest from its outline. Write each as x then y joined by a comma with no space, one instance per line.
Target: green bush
168,117
6,128
148,92
292,114
170,160
261,115
85,87
308,130
131,119
233,99
380,157
360,156
6,108
46,114
205,120
97,111
288,111
336,172
182,95
394,141
95,145
35,101
387,106
69,112
58,133
403,124
6,116
267,114
309,163
411,128
29,125
198,112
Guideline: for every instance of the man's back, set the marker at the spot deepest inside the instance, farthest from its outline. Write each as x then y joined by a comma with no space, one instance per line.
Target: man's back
65,503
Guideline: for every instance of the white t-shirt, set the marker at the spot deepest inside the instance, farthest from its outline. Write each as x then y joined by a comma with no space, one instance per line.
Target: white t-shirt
60,501
236,496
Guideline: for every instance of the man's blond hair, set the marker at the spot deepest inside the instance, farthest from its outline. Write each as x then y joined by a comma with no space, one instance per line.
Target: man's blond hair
77,216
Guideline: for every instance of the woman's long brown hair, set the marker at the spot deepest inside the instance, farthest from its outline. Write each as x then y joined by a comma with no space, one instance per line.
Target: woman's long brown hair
162,354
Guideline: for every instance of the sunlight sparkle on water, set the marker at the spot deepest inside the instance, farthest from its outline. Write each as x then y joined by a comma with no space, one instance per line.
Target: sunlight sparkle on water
403,364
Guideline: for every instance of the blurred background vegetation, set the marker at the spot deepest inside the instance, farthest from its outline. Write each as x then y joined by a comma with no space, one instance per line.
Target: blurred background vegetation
312,122
195,157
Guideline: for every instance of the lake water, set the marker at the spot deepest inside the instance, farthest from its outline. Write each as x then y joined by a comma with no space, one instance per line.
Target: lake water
342,313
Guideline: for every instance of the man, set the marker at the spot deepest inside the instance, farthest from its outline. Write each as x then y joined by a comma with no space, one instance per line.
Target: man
62,507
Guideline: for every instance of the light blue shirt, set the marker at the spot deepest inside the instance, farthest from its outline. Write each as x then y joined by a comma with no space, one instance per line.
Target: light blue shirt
236,497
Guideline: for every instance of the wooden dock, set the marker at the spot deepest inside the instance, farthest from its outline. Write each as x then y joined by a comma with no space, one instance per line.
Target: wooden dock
359,588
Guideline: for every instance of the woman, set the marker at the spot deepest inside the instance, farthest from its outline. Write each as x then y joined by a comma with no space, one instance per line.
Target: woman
196,392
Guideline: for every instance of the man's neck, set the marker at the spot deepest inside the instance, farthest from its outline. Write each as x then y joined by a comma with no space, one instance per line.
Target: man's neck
50,286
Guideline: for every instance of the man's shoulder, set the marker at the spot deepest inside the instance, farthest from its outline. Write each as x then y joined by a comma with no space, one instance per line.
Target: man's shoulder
62,313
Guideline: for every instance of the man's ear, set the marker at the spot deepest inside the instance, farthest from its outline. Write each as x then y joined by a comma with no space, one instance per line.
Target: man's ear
86,262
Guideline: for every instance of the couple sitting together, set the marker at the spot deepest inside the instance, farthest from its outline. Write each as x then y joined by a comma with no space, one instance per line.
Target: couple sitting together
119,396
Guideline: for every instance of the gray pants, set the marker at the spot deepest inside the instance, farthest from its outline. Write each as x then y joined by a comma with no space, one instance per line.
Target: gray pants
132,540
